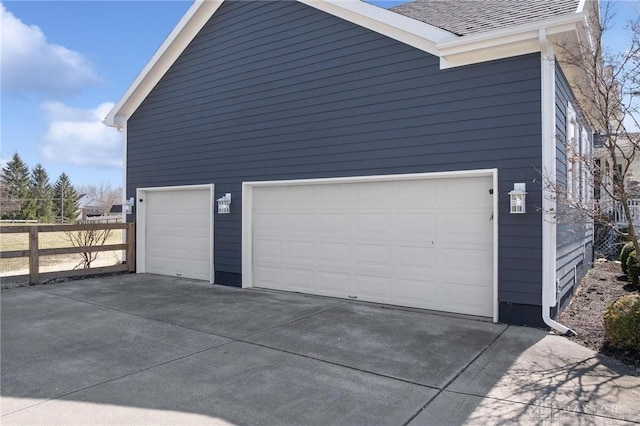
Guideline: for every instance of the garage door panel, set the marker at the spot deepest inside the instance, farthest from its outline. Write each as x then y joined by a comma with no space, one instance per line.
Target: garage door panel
298,198
334,223
468,298
465,225
417,258
270,276
411,243
299,250
332,283
372,255
406,191
416,293
460,194
301,280
297,223
420,225
370,222
372,195
341,196
373,288
467,260
334,252
268,198
267,223
177,232
269,249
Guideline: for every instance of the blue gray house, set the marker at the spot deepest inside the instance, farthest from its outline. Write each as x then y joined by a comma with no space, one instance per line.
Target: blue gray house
340,149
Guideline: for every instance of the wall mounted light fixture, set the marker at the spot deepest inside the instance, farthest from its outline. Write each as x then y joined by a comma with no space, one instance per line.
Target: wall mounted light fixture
128,205
518,198
224,204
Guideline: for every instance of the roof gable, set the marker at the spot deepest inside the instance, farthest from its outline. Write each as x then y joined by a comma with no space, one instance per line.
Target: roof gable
452,49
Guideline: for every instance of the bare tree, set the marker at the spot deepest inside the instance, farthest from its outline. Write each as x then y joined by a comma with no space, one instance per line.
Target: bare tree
103,194
606,84
88,238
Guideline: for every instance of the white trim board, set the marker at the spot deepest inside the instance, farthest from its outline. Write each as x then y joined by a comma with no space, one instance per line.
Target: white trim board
247,212
141,212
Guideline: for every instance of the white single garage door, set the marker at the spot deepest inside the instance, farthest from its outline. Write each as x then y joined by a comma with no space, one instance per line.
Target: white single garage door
175,231
425,243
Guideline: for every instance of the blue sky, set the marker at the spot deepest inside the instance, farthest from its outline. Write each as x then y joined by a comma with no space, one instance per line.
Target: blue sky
65,63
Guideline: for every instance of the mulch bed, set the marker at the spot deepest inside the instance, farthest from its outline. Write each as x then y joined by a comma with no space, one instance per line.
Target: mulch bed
602,286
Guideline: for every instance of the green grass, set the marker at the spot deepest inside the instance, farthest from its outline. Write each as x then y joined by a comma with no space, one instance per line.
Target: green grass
20,241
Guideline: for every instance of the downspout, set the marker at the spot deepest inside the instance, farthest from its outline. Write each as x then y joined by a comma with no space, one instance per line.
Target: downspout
549,247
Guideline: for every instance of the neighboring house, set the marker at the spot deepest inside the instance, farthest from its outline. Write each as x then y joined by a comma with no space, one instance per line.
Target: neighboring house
367,154
608,172
92,210
88,207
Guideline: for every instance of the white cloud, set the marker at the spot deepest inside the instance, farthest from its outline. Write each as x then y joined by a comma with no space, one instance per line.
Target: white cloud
77,136
31,64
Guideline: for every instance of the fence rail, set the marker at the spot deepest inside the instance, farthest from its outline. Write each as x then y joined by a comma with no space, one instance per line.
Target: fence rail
34,252
634,208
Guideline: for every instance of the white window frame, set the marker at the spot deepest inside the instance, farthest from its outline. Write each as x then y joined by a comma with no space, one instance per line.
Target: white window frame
572,155
585,175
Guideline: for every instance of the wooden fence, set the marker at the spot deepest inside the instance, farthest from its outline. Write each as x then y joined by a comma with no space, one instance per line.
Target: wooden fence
34,252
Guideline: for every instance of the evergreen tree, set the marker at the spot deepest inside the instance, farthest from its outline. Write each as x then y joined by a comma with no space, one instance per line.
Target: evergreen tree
15,189
40,203
65,200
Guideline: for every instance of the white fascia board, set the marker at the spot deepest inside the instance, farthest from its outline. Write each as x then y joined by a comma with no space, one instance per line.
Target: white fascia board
175,43
503,43
407,30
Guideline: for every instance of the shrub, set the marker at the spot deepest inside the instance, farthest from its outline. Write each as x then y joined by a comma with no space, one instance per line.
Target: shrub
622,323
624,255
633,268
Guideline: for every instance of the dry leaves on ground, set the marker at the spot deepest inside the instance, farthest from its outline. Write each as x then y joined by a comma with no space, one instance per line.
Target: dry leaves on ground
602,286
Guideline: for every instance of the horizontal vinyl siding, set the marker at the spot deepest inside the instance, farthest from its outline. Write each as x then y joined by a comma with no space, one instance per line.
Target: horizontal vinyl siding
574,236
279,90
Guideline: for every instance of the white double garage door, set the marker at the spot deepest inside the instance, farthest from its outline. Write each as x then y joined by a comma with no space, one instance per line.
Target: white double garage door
424,241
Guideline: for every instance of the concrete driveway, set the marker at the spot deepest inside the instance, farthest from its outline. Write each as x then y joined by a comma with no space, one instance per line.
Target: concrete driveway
145,349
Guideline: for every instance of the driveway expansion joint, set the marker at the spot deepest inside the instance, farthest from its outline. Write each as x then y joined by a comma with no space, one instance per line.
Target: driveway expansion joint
118,378
327,361
137,315
446,385
292,321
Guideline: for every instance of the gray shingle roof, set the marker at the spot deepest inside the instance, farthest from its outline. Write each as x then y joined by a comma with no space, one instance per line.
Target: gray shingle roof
464,17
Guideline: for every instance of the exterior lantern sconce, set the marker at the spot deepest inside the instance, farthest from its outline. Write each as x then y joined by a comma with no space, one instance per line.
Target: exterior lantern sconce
518,197
128,205
224,204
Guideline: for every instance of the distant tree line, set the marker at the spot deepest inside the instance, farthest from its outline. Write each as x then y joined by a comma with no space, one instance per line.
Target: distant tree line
28,195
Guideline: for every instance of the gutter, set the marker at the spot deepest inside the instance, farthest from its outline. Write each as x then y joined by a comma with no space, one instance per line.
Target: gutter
549,247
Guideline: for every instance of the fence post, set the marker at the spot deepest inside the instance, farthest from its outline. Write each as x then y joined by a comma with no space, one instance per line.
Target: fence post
131,247
34,275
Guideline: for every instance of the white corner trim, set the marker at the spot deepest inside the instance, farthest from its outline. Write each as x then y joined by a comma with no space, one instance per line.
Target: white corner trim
549,227
141,214
123,129
247,212
247,234
496,216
